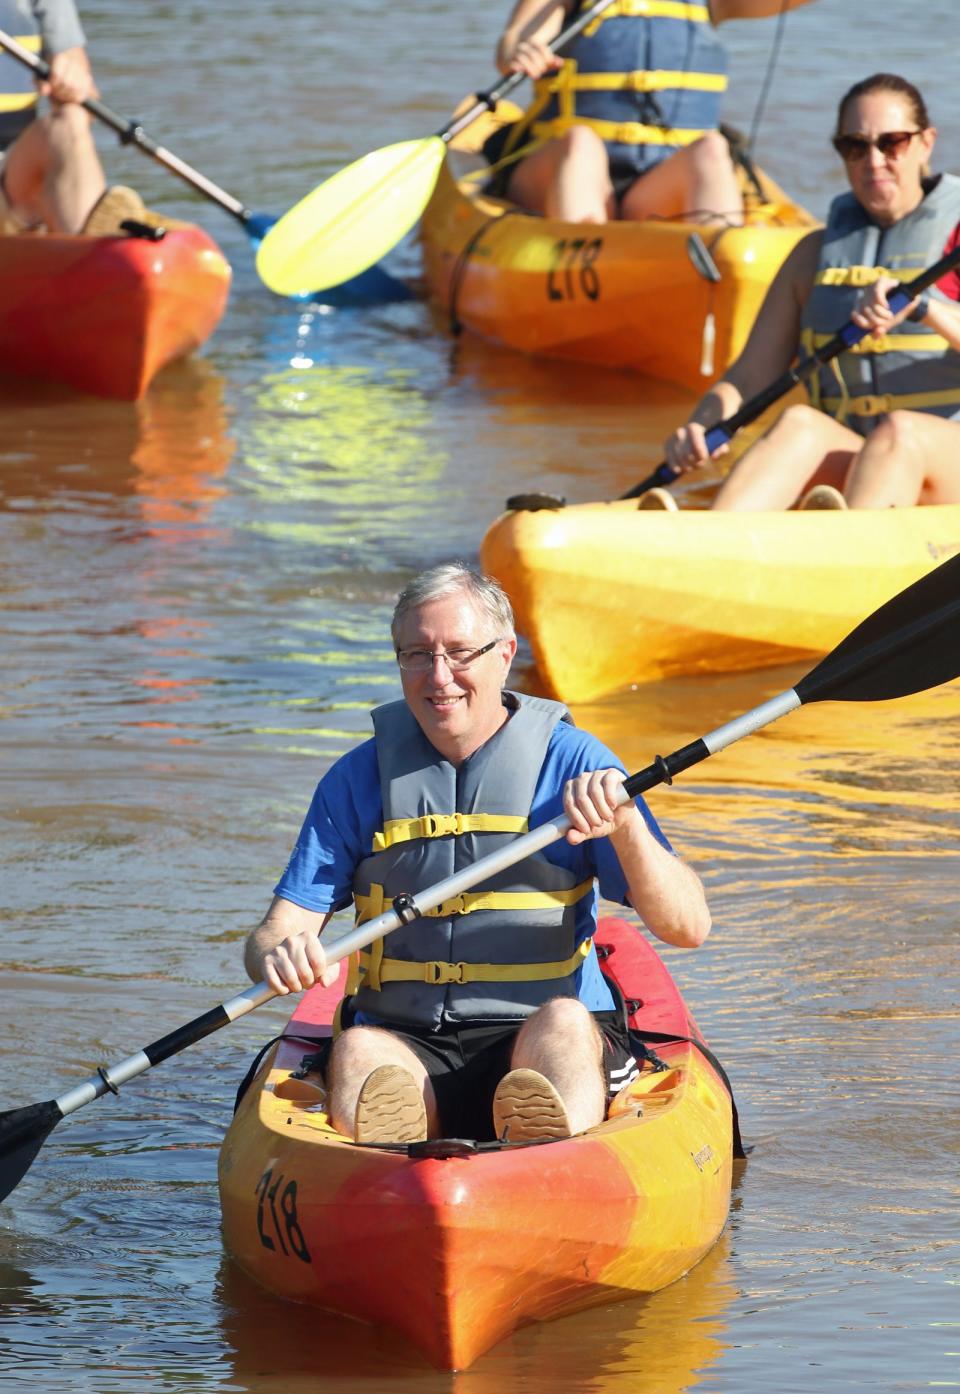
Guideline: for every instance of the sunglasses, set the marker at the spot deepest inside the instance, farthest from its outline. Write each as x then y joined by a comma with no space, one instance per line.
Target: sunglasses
892,144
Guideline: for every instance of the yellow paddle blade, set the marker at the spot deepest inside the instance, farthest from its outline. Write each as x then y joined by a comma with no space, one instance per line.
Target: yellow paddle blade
352,219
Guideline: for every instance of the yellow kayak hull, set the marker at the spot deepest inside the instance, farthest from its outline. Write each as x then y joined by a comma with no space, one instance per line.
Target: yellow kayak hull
625,295
609,595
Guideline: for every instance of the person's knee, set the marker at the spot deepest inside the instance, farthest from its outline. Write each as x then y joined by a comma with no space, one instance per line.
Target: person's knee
359,1048
897,433
68,125
711,151
583,145
561,1018
800,423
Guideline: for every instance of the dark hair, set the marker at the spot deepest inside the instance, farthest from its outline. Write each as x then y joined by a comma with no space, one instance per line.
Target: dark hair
886,82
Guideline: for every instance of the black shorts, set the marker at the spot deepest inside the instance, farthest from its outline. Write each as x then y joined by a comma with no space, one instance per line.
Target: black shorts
465,1066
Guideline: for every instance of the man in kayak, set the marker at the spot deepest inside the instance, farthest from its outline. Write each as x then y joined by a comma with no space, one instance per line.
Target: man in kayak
50,174
624,123
489,1015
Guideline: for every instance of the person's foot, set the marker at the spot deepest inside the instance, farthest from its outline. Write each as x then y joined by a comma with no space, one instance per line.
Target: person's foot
527,1108
659,500
390,1107
822,496
111,208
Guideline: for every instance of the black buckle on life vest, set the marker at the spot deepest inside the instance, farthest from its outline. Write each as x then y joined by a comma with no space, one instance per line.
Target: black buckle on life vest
405,907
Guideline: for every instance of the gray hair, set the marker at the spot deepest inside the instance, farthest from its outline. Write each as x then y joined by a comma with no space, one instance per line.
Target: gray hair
447,579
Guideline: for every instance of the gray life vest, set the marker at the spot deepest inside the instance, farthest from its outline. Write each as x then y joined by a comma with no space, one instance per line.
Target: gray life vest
501,949
18,92
912,369
61,29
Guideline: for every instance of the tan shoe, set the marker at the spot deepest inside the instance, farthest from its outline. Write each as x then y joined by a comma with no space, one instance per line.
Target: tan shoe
390,1107
658,500
111,208
822,496
527,1108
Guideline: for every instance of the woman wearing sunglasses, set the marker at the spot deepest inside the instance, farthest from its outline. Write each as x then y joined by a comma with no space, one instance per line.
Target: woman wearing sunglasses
883,427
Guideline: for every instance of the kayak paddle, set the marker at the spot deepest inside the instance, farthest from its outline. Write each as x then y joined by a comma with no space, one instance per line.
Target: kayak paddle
724,431
376,285
357,215
908,645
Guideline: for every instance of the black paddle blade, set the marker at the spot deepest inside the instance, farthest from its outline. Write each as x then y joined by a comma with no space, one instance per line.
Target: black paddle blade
908,645
23,1131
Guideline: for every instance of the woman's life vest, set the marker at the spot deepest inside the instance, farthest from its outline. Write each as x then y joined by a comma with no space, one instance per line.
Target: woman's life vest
912,369
647,75
501,949
18,91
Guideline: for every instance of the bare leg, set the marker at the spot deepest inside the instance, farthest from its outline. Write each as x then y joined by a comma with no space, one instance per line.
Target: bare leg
357,1052
52,173
698,181
804,447
563,1043
908,458
567,178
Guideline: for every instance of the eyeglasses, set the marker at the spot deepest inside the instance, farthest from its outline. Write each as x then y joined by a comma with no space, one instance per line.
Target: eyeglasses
422,660
892,144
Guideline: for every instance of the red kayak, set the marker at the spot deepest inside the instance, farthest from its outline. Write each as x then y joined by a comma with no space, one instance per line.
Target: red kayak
456,1244
105,314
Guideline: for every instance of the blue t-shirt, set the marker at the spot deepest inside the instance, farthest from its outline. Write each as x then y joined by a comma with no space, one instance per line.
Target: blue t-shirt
347,810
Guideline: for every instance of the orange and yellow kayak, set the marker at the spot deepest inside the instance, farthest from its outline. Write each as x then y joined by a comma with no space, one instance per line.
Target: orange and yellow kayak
457,1244
624,294
105,314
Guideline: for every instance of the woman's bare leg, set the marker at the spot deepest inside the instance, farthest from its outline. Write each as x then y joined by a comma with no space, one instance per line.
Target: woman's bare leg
568,178
804,447
909,457
698,181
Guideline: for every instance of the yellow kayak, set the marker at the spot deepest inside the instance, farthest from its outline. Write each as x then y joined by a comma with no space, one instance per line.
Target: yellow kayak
624,294
609,595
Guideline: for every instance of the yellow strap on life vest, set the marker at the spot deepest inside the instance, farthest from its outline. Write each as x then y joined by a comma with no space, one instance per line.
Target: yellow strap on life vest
20,101
650,9
399,970
620,132
890,401
858,276
374,904
659,81
890,343
445,825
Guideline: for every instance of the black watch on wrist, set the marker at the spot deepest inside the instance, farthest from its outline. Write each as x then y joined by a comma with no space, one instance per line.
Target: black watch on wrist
918,315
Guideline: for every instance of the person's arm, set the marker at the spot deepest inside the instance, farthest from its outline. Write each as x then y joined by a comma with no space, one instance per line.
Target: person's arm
768,352
285,948
665,892
530,28
64,45
874,314
721,10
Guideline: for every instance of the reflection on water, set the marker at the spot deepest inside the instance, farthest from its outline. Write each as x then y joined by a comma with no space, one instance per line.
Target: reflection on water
668,1342
83,455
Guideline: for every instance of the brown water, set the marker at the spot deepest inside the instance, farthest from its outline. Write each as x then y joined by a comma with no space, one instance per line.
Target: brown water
195,595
